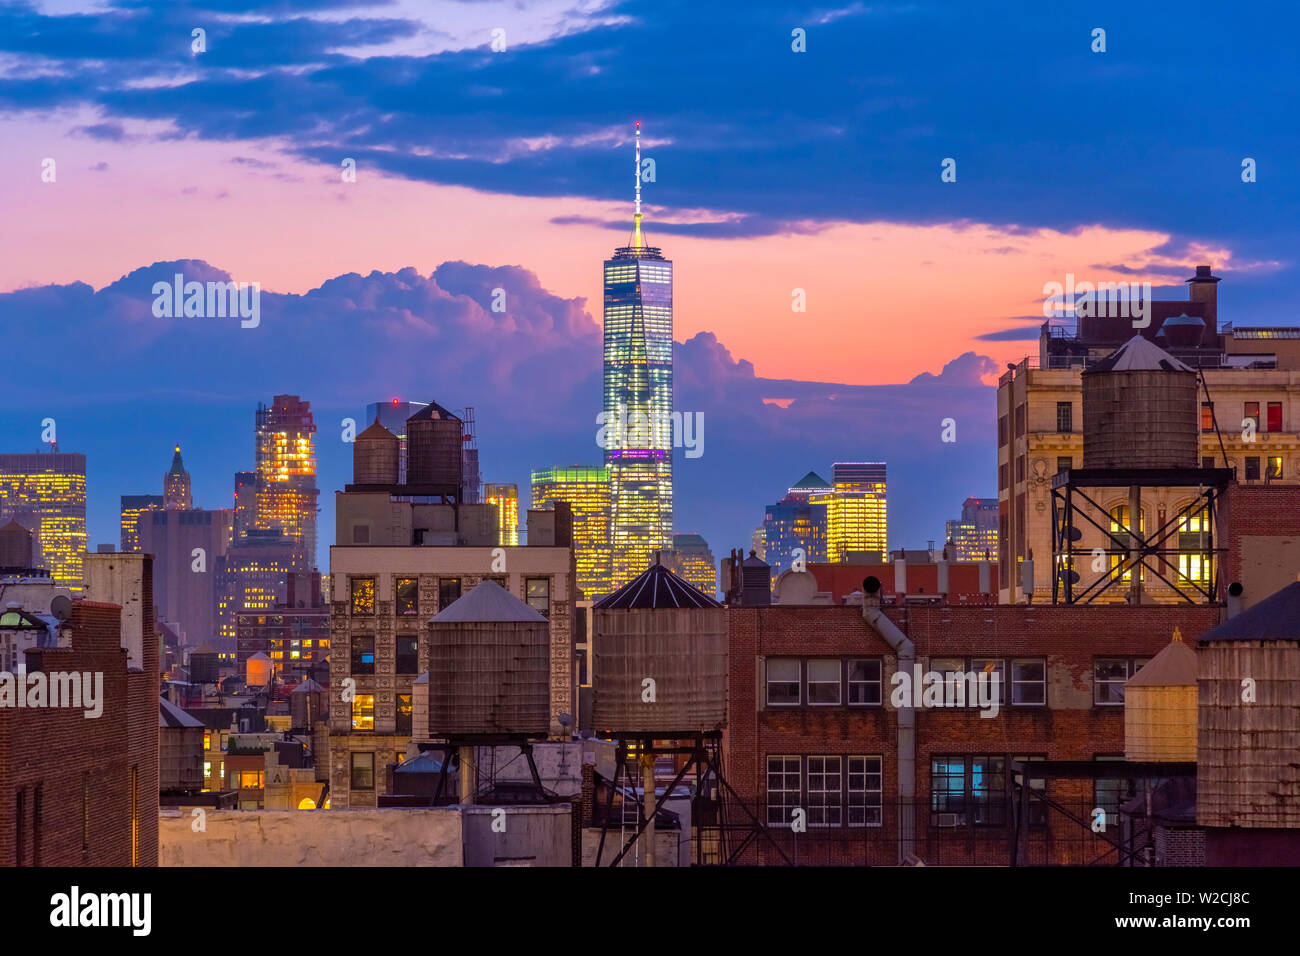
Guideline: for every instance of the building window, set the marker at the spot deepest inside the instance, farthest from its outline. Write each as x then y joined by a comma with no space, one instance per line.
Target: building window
1029,682
498,580
363,712
825,791
864,791
1121,543
363,772
1108,677
1109,792
865,683
363,655
948,789
1275,416
1020,469
448,591
1021,414
782,789
988,790
1273,471
1207,417
783,681
1002,476
1251,414
249,779
1002,430
1194,544
408,654
991,666
1252,468
363,597
1065,416
404,712
361,534
408,597
1207,461
538,592
1063,463
823,683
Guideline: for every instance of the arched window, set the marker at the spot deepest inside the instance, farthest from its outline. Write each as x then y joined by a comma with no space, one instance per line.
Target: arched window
307,803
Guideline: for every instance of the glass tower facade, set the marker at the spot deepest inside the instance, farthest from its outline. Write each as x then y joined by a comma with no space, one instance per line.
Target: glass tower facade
586,490
45,492
855,509
506,498
286,472
638,400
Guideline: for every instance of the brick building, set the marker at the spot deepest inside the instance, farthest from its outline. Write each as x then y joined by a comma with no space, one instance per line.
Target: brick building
78,790
812,727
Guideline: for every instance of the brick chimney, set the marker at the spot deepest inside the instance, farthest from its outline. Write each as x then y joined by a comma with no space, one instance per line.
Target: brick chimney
1203,288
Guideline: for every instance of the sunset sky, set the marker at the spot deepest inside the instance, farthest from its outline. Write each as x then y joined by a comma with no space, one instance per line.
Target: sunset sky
775,170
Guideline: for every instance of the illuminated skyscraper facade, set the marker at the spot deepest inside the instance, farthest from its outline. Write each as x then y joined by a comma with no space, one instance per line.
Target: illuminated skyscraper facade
796,523
506,498
176,485
133,506
286,472
974,537
586,490
638,398
855,509
691,560
45,492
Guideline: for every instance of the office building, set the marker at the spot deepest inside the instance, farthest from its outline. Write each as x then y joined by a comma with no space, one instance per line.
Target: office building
176,485
253,577
974,536
638,398
691,560
586,491
45,492
133,506
505,498
855,510
245,503
796,523
286,472
188,548
398,560
1248,382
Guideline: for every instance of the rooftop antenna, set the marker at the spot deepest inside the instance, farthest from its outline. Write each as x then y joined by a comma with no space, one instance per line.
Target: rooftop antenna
636,237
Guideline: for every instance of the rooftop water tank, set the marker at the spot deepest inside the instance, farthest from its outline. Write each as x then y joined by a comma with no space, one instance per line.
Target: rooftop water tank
1160,707
376,453
489,666
433,448
659,661
1140,410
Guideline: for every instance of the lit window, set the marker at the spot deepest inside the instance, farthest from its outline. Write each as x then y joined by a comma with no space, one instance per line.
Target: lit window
363,712
363,596
538,591
408,597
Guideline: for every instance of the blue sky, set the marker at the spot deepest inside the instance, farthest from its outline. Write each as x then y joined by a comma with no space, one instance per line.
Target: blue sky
775,170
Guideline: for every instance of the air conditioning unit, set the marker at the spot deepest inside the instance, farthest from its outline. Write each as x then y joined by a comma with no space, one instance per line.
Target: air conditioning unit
948,820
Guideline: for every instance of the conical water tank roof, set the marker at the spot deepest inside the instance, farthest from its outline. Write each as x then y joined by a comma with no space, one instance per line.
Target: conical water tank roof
376,454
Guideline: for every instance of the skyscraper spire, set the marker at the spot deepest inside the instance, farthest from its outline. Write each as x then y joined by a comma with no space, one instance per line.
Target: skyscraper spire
637,240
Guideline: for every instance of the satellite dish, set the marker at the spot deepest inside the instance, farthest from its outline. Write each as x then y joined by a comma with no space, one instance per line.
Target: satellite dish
61,607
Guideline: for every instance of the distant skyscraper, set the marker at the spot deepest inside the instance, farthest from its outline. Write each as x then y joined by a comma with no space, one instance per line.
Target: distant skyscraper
638,397
586,489
245,503
133,506
974,537
45,492
187,547
176,485
796,522
286,472
855,509
253,576
690,559
506,498
758,542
